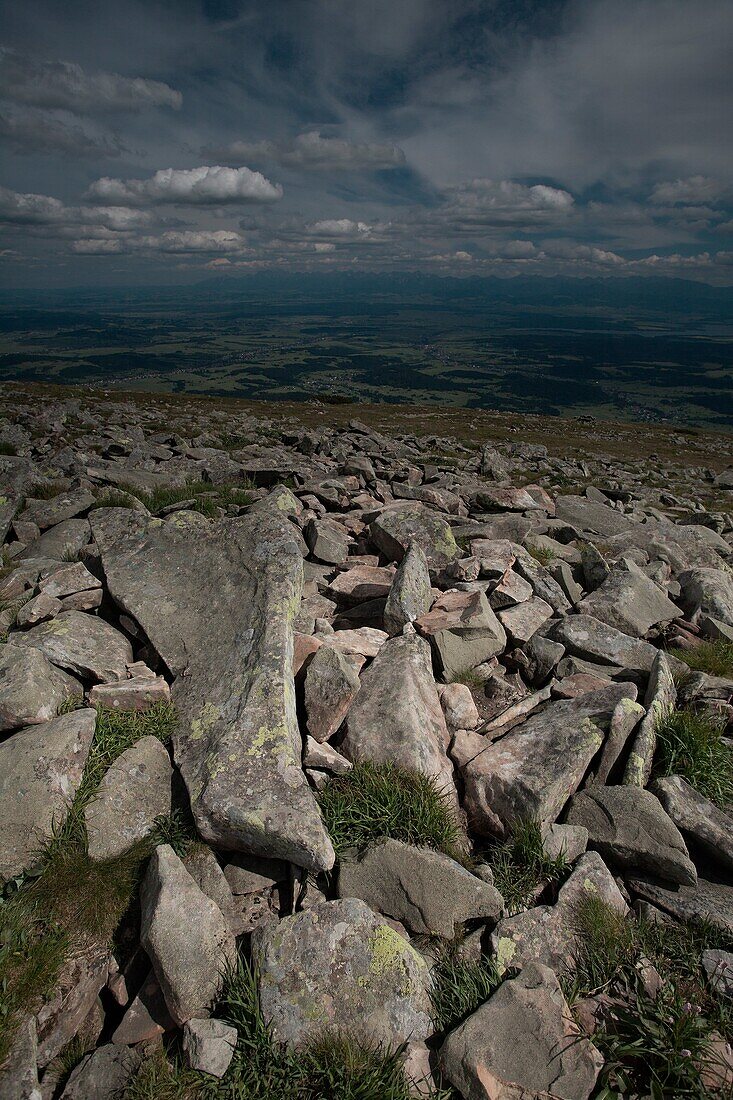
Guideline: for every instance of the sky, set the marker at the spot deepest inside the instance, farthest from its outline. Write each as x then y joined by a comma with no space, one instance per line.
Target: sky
160,141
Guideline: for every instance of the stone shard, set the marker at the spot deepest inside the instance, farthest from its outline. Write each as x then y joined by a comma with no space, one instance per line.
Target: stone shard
533,770
628,826
698,817
340,967
40,770
19,1072
410,594
219,607
522,1043
550,934
397,715
397,527
31,688
660,698
427,891
209,1045
629,601
80,644
331,685
710,902
185,936
134,791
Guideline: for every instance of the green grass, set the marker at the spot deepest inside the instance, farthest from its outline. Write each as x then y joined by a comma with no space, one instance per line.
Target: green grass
45,490
691,744
67,901
115,498
331,1068
715,658
7,448
383,800
459,987
176,829
543,554
520,864
207,498
653,1046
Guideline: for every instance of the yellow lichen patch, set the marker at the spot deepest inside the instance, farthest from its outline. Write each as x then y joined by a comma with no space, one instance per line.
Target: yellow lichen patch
277,739
389,950
505,952
210,714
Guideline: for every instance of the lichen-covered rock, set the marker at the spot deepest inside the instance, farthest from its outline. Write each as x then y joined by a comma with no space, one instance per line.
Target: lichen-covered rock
698,817
185,936
410,594
630,601
339,967
31,688
427,891
80,644
522,1043
219,606
535,768
397,527
40,770
103,1074
134,791
659,700
66,505
397,715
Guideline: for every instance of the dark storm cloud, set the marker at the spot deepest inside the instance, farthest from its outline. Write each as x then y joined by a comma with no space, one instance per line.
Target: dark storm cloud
497,135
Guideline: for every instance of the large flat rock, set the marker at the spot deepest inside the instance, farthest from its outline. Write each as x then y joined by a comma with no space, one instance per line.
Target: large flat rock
217,601
81,644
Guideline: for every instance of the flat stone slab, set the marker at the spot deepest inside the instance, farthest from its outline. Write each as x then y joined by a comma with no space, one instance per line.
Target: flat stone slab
427,891
134,791
588,638
396,527
533,770
589,515
40,770
708,901
630,601
340,967
629,827
80,644
710,827
217,600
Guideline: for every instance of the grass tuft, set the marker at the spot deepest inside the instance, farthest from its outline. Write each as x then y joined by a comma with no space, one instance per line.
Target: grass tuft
460,987
521,864
176,829
609,945
7,448
545,555
207,498
382,800
45,490
692,744
715,658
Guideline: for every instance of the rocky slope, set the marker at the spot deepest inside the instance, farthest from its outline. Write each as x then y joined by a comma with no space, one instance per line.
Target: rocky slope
295,604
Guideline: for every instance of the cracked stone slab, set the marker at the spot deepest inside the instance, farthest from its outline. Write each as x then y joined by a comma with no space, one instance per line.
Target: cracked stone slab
81,644
217,601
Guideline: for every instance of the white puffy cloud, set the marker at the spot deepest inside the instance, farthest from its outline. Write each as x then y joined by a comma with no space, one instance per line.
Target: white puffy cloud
504,202
18,208
172,241
206,185
315,152
62,84
339,227
691,191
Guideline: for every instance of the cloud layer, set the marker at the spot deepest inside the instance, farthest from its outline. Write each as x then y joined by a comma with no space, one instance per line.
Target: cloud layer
581,136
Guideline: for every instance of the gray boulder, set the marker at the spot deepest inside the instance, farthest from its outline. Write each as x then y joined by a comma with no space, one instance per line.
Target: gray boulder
134,791
397,527
103,1074
659,700
630,601
209,1045
331,685
708,592
185,936
19,1073
710,902
327,541
61,542
522,1043
340,967
591,516
410,594
718,965
80,644
697,817
532,771
427,891
628,826
217,602
67,505
588,638
397,714
463,631
31,688
40,770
